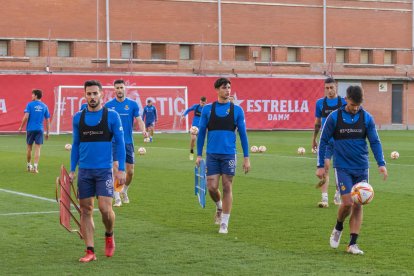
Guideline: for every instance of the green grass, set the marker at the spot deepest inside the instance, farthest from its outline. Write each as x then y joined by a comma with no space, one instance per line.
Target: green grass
275,227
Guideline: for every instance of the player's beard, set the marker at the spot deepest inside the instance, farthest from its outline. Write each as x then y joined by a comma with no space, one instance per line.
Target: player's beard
120,96
93,103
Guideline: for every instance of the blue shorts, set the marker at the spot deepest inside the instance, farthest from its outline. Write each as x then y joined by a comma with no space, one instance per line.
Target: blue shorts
95,182
35,136
221,164
347,178
130,153
329,150
149,124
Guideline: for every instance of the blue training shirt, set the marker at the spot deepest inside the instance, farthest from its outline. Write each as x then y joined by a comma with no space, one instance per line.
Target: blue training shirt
350,153
222,141
330,102
127,110
37,111
97,155
195,108
150,114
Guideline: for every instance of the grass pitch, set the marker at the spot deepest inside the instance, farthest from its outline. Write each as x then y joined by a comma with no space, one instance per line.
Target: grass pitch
275,227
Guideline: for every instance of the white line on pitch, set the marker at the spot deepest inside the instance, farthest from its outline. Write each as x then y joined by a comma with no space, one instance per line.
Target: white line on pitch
28,195
29,213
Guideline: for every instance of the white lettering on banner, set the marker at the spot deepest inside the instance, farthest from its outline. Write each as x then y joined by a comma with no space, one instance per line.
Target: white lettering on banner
3,107
168,106
278,117
176,106
72,99
275,106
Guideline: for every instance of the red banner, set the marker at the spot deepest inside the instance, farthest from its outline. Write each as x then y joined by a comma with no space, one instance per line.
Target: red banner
268,103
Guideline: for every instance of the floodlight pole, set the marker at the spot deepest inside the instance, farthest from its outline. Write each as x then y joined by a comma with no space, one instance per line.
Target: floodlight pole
219,31
324,31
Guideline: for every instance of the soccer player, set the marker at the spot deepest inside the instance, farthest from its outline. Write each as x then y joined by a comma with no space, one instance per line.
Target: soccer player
127,110
221,119
93,130
197,108
150,118
324,106
350,126
34,114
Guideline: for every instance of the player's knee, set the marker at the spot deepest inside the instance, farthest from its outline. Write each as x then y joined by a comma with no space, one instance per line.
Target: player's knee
86,210
347,203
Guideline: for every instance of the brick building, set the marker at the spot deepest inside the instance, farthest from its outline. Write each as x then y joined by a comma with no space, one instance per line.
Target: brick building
357,41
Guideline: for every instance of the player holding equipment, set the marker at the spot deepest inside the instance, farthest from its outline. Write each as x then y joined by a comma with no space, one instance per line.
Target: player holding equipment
350,126
221,119
93,130
127,110
197,108
34,114
150,117
324,106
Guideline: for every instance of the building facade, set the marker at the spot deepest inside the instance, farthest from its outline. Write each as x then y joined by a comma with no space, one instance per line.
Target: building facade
365,42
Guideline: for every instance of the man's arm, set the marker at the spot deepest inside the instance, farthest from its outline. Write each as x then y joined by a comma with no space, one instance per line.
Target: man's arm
374,140
141,126
47,128
24,120
118,133
201,134
317,127
74,153
327,133
241,128
155,114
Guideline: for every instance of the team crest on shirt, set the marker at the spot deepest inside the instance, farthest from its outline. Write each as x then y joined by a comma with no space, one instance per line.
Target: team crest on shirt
126,107
228,111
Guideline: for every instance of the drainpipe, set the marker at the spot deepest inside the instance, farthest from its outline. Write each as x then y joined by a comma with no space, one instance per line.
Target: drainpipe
108,50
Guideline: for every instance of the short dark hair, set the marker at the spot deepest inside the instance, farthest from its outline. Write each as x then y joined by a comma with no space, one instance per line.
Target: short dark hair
149,101
355,93
203,99
329,80
221,81
38,93
92,83
119,82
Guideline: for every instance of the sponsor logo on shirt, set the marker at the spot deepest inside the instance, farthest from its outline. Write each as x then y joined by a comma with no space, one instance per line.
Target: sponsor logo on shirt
91,132
350,130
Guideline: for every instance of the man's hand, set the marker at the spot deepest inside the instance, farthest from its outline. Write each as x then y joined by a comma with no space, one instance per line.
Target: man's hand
246,164
320,173
72,176
198,160
121,177
314,144
383,171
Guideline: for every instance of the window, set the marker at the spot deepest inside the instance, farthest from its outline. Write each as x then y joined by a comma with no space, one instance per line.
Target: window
158,51
127,50
185,52
64,49
4,48
293,55
266,54
365,57
32,48
242,53
341,56
389,57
